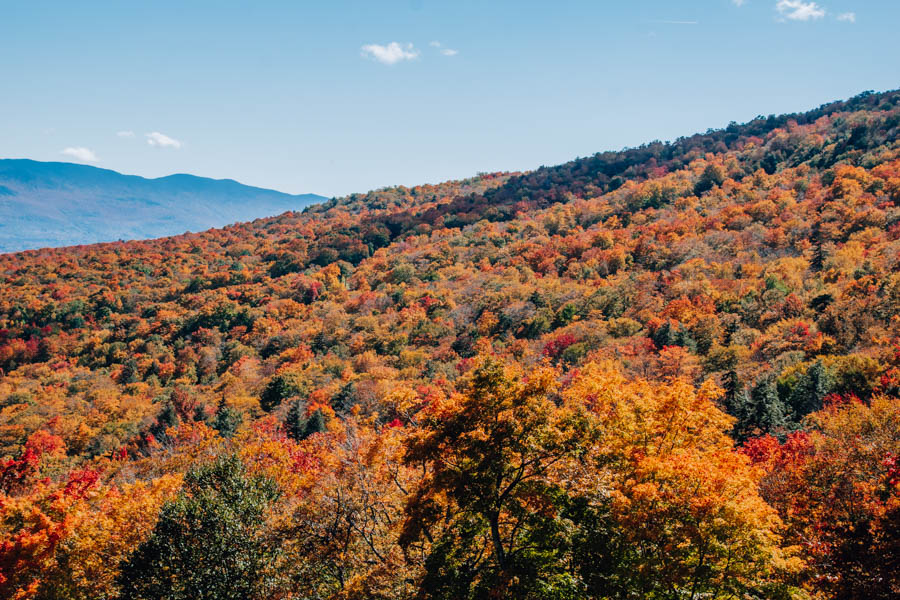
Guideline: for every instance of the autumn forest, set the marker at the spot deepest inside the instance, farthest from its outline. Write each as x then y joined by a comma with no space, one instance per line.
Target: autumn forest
667,372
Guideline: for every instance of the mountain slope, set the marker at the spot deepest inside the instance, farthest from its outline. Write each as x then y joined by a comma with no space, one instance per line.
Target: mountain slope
62,204
671,371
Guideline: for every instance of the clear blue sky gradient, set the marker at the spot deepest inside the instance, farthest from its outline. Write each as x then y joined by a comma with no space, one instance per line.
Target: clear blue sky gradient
277,93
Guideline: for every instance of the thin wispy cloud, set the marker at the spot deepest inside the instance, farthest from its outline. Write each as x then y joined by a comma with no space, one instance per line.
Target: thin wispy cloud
80,153
847,17
798,10
390,54
672,22
125,134
738,2
442,50
161,140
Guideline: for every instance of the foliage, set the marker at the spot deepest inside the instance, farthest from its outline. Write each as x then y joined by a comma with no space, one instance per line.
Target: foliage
391,360
207,543
492,502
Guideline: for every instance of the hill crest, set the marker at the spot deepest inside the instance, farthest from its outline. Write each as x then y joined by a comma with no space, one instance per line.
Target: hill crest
60,204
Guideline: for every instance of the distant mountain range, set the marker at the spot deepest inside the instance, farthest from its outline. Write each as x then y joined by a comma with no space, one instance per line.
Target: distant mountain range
62,204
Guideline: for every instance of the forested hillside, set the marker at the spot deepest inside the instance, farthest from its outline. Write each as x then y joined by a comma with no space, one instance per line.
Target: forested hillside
667,372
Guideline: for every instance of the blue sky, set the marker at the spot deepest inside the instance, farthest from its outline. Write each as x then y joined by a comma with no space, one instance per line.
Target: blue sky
334,97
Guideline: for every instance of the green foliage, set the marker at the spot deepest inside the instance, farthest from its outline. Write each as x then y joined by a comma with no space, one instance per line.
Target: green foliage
713,176
227,420
808,393
223,317
167,417
315,424
674,334
295,420
208,543
403,273
856,375
346,398
298,426
494,471
280,388
623,327
565,315
600,556
538,325
758,411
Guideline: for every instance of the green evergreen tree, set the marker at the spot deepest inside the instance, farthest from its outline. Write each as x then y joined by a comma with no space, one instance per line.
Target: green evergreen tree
298,426
713,176
344,401
167,417
759,410
315,424
279,388
227,419
769,412
735,397
818,257
295,422
810,390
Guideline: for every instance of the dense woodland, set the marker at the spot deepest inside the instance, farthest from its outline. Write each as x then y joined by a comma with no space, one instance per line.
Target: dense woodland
667,372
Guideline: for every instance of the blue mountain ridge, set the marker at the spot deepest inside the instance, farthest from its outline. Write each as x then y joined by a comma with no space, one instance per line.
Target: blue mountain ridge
49,204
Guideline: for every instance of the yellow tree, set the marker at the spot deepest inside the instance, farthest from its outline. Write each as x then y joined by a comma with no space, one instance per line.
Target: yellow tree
106,529
341,534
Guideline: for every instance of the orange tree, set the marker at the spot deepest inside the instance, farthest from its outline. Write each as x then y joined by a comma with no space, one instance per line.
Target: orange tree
683,501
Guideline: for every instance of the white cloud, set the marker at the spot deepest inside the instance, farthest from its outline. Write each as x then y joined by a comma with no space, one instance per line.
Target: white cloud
848,17
390,54
125,134
163,141
444,51
669,22
80,153
738,2
798,10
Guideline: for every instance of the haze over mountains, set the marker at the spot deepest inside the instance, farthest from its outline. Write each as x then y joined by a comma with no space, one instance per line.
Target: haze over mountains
61,204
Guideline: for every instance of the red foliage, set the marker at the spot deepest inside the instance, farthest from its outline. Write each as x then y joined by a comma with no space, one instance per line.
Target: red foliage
556,346
15,472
